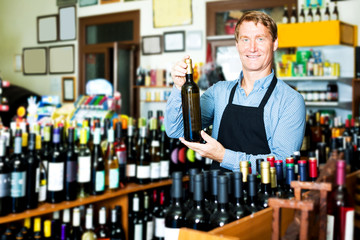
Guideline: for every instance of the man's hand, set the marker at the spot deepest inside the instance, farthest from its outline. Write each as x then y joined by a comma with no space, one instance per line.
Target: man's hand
178,72
211,149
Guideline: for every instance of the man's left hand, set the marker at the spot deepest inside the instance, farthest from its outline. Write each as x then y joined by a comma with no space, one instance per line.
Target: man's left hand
211,149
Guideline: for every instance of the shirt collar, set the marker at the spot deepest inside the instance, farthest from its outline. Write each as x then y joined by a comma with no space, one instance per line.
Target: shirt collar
262,83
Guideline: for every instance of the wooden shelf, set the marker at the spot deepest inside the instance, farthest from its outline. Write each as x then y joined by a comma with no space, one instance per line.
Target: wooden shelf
346,80
313,34
47,208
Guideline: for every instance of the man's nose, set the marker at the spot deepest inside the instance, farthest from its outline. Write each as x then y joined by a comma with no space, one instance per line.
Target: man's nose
253,46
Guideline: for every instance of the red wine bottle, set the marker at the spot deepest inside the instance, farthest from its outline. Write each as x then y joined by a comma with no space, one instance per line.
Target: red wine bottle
159,218
4,180
120,150
98,169
102,231
71,165
33,174
137,222
238,207
117,231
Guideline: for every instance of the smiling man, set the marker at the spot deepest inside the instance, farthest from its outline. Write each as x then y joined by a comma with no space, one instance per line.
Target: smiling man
253,116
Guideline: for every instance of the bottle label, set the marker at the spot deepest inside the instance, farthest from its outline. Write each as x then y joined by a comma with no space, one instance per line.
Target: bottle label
155,170
71,171
301,19
84,169
130,170
349,222
149,230
5,181
138,231
293,19
182,155
142,172
159,227
18,184
164,168
100,181
316,18
114,178
326,17
309,18
171,233
42,192
37,181
330,227
121,156
56,176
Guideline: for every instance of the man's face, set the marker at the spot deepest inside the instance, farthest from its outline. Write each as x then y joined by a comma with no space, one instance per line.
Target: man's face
255,46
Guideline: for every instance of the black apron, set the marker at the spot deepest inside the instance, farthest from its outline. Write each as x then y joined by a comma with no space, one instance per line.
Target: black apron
242,128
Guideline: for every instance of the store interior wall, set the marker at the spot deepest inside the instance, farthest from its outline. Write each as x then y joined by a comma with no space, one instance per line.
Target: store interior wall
18,20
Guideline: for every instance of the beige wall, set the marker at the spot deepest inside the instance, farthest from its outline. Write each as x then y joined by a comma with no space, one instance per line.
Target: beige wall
18,30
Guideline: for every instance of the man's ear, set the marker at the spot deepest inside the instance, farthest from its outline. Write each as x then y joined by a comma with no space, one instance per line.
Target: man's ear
276,44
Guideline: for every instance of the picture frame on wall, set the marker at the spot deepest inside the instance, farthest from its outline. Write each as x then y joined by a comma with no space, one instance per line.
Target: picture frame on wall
68,89
151,45
67,23
61,59
193,40
85,3
47,28
174,41
34,61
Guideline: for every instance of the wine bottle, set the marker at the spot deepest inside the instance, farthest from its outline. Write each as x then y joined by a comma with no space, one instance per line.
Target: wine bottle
280,191
5,180
293,18
175,213
47,230
56,170
24,144
33,174
317,17
102,231
89,229
120,150
189,199
26,229
327,13
42,171
47,147
285,18
148,225
309,16
98,169
56,225
238,207
137,222
117,231
159,218
223,215
164,154
112,164
18,168
142,159
230,185
214,173
84,166
335,13
206,186
71,166
190,97
273,181
198,217
76,231
37,234
131,148
154,152
252,201
65,226
290,176
302,14
265,193
104,138
338,200
244,169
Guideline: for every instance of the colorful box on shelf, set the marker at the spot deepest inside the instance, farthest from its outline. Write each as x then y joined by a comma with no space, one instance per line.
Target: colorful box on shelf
93,102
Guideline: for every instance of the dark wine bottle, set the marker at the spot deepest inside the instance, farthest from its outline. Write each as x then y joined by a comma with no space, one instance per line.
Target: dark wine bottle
18,168
214,173
148,227
33,174
5,180
198,217
56,225
66,226
175,214
238,207
303,170
164,154
244,169
102,231
206,186
280,191
37,233
290,176
56,170
223,215
189,199
252,201
120,151
47,230
71,165
42,182
190,97
117,231
265,193
98,169
273,181
142,159
76,231
230,176
154,152
313,169
137,222
159,218
131,153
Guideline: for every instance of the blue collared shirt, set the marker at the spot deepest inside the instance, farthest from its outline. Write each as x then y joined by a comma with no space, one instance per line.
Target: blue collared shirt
284,117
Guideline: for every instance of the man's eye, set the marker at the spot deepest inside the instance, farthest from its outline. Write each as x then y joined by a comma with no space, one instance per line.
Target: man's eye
245,40
260,39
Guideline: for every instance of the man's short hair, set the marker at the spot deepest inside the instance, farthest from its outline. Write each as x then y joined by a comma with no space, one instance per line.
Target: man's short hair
257,17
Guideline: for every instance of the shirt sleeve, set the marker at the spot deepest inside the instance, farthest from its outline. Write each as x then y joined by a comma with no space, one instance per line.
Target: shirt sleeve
286,138
173,119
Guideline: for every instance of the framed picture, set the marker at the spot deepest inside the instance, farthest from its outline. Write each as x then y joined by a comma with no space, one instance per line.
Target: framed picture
67,23
35,61
61,59
68,89
47,28
85,3
151,45
174,41
193,40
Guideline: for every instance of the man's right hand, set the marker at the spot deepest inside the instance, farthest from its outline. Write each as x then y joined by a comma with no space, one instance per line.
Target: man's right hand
178,72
